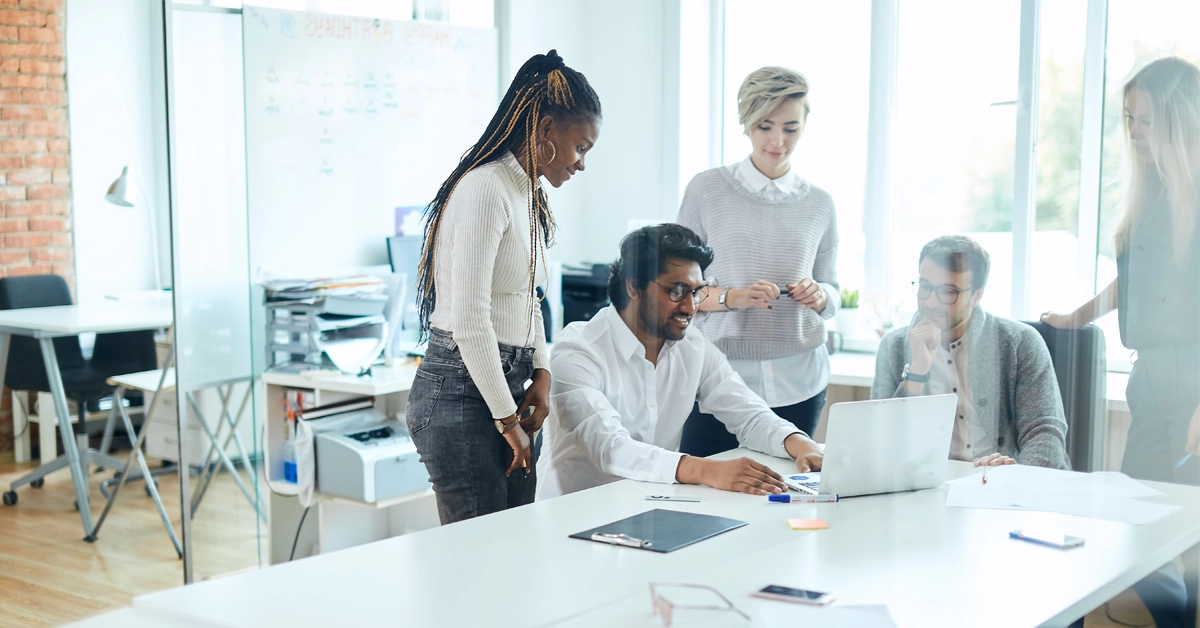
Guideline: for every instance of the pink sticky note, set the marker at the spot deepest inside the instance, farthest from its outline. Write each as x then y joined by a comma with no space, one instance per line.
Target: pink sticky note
808,524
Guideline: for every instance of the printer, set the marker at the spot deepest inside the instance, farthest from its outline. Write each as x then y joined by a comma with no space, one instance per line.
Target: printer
365,457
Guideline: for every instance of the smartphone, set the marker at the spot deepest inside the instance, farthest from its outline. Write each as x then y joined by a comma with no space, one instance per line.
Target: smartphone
1061,541
788,594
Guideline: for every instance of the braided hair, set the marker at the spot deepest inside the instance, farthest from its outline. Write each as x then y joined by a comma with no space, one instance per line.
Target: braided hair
543,86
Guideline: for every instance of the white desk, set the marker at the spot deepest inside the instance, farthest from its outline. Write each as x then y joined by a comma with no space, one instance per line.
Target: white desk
933,566
47,323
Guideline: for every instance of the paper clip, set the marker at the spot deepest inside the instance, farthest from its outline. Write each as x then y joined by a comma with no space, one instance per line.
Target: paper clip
619,539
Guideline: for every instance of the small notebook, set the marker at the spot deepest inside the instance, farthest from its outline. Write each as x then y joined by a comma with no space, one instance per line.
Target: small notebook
660,530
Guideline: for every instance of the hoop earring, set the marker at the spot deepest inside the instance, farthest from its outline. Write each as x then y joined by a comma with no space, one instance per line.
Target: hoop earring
553,150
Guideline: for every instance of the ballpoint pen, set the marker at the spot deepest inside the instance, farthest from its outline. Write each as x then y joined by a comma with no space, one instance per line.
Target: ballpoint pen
1184,460
985,474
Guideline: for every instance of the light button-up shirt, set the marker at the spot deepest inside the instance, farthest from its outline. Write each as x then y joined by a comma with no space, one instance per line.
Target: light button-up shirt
615,415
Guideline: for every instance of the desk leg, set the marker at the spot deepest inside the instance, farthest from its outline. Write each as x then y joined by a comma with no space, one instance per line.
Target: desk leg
4,344
68,438
1192,584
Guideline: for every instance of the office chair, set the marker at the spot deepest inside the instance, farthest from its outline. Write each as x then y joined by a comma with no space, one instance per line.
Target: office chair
1082,369
84,381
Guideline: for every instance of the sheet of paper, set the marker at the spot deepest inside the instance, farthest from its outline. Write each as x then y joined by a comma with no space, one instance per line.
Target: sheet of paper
1095,506
789,615
1042,481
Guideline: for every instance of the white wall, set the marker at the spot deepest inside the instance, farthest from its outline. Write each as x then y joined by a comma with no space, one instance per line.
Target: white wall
630,52
114,99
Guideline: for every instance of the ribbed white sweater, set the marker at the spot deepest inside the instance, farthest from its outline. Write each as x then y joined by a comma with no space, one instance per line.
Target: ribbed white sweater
481,274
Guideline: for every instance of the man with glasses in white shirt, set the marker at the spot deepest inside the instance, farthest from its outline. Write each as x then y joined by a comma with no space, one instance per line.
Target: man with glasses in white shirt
1009,407
625,382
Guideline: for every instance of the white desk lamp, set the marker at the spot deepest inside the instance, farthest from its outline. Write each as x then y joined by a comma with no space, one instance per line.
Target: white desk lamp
116,196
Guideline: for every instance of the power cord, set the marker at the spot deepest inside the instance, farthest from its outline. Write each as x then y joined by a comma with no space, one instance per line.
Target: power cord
297,539
1121,623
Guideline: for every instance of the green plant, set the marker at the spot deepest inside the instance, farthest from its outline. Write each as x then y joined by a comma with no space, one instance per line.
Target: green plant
849,298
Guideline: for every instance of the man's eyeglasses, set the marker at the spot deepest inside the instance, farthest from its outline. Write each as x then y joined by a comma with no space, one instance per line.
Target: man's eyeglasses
947,295
677,291
663,607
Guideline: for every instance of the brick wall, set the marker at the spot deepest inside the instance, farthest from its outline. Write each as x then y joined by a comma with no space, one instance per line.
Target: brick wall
35,161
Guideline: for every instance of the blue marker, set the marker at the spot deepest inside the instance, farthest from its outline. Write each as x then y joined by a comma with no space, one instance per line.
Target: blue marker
1184,461
804,498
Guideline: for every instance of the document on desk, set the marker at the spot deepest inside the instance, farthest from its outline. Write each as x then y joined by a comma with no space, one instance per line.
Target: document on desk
785,615
1103,495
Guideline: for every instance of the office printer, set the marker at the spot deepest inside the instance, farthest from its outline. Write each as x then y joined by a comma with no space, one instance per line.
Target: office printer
364,456
584,292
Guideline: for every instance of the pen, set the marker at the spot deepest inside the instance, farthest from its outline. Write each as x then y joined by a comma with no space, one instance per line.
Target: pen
806,499
1184,460
985,475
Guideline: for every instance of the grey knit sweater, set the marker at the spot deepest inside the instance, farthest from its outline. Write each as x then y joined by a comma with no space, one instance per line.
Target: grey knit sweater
1013,386
756,238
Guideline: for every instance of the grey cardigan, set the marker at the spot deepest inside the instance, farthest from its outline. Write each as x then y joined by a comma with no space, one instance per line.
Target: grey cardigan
1015,390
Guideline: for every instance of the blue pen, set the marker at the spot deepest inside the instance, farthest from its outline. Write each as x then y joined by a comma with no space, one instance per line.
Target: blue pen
805,499
1184,461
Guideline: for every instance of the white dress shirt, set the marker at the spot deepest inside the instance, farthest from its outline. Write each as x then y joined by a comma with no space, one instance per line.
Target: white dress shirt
791,380
951,374
615,415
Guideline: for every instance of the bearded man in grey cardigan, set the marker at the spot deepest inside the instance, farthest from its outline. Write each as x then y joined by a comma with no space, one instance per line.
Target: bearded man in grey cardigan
1009,407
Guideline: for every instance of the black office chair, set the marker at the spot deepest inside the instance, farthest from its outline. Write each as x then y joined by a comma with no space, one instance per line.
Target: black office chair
84,382
1082,369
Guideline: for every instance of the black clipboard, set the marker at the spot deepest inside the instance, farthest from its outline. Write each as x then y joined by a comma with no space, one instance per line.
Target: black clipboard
660,530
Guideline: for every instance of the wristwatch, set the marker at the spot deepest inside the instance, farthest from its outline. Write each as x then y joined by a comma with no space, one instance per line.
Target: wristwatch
721,299
503,427
909,376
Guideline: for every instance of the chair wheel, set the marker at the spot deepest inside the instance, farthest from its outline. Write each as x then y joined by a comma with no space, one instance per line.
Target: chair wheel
146,488
10,498
100,469
38,483
77,505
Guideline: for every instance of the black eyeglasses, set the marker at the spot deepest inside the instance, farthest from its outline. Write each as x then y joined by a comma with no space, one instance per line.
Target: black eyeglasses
677,291
947,295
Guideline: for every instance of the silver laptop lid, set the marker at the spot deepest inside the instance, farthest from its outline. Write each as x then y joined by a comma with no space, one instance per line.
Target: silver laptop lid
887,445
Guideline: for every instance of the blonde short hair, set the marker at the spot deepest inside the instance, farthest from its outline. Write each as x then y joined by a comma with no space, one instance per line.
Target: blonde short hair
764,89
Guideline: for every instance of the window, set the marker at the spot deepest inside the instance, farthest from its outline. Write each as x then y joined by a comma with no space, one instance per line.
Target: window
1138,33
955,130
832,154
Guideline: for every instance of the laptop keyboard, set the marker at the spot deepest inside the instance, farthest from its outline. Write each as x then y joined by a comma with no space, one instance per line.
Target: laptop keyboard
804,483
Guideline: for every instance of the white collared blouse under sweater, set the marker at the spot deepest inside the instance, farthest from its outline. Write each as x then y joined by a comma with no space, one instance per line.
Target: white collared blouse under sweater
791,380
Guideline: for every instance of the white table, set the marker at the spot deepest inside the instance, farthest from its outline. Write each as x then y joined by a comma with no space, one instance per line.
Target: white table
932,565
48,323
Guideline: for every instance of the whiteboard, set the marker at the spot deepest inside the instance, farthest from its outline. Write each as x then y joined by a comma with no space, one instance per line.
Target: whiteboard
348,118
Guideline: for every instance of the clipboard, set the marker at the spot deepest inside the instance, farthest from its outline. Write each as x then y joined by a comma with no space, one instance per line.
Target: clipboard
660,530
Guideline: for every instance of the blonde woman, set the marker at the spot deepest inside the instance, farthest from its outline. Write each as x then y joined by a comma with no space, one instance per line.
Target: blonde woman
1157,299
774,237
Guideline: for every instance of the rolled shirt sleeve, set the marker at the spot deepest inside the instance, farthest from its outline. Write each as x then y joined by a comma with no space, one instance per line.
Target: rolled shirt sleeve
724,395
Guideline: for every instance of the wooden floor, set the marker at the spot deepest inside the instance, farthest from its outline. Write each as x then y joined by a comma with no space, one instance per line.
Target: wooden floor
50,576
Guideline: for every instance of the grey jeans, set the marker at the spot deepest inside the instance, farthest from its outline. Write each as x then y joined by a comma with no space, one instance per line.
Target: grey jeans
452,427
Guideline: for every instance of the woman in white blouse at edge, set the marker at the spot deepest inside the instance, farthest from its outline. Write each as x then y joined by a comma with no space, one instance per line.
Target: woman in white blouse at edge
485,240
774,236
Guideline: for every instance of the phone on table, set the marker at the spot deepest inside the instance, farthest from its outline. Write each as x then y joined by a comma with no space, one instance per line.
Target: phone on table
1061,541
788,594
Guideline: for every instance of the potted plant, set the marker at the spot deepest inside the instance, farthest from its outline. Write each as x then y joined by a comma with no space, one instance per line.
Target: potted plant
846,320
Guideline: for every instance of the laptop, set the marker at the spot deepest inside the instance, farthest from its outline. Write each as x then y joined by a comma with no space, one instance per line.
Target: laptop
883,446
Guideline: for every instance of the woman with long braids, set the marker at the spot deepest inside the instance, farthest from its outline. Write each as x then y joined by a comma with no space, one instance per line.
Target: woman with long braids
486,236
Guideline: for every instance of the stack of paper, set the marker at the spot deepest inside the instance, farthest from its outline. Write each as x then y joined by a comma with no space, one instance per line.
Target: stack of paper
312,288
1101,495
